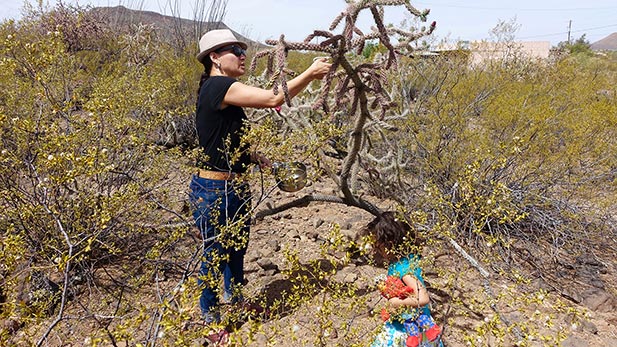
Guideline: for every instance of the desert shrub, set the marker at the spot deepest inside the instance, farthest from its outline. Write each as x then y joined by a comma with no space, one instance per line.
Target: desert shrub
79,28
83,179
512,135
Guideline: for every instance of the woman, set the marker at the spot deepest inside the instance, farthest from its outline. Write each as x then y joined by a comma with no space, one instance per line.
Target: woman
221,200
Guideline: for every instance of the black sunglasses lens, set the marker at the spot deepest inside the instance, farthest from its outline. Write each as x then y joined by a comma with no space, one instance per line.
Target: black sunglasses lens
238,51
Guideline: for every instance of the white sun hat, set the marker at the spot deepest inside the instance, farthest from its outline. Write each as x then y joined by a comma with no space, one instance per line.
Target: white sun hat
214,39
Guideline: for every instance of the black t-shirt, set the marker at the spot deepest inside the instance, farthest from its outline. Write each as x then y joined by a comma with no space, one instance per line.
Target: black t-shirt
219,131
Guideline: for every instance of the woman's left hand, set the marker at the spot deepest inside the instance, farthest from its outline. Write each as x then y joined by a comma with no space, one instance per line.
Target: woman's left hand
261,160
320,68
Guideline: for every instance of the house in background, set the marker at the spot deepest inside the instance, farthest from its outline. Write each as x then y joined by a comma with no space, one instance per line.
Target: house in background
479,52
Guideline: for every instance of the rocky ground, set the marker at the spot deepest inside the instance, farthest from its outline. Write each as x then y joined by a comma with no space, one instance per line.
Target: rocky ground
583,314
579,314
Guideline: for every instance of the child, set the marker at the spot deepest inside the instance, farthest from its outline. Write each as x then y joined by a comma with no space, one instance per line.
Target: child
394,243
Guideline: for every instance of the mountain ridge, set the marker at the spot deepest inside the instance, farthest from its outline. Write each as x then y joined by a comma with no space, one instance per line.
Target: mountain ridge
121,16
608,43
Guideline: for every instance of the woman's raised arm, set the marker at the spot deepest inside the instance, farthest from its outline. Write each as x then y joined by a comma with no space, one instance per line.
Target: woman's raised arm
240,94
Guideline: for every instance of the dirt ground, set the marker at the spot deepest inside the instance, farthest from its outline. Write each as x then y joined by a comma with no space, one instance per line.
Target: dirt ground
586,318
579,316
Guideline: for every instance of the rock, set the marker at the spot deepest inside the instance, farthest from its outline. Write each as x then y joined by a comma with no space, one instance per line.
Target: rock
515,317
609,341
202,341
355,219
267,264
264,253
349,234
362,286
574,295
540,283
350,278
588,260
274,245
338,254
589,327
304,319
373,302
312,235
347,275
261,340
293,234
599,300
10,325
317,222
574,341
596,282
271,272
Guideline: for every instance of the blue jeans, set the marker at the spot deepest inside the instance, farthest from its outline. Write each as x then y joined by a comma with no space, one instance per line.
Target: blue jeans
221,210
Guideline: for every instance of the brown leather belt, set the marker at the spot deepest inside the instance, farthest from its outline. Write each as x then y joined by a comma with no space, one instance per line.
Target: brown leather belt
217,175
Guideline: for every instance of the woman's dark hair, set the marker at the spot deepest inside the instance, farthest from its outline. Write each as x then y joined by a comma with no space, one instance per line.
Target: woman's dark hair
207,63
393,231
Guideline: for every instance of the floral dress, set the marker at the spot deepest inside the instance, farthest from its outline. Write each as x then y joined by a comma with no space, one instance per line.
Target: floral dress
393,333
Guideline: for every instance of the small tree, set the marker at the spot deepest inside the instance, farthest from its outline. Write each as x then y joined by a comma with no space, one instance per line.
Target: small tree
579,46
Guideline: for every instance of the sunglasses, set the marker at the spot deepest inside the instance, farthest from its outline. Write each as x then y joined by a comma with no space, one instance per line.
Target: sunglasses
237,51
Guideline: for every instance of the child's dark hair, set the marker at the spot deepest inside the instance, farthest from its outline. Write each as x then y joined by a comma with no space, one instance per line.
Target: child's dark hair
393,231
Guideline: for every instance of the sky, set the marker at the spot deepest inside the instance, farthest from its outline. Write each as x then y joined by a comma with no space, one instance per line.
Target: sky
469,20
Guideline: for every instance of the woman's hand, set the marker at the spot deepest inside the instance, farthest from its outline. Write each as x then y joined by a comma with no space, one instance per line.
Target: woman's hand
261,160
320,68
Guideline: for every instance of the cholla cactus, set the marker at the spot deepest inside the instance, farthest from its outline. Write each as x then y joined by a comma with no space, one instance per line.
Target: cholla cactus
360,90
365,77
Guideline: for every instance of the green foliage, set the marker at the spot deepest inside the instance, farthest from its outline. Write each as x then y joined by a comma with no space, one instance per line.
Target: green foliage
370,49
498,144
579,46
82,179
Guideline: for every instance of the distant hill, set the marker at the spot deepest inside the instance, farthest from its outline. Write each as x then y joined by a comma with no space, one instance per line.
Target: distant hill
608,43
170,26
